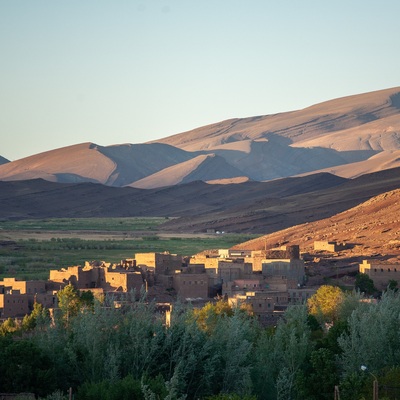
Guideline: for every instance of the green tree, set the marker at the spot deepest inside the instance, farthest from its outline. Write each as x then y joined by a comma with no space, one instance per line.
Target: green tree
68,302
392,285
87,299
24,368
372,337
38,316
365,284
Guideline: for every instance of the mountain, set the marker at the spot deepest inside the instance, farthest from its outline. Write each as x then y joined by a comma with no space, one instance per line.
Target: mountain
289,202
3,160
256,207
204,167
348,137
380,109
117,165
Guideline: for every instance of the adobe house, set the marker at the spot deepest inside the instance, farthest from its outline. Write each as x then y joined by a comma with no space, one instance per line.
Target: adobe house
380,273
331,247
292,269
24,287
13,304
263,305
190,285
163,263
106,276
17,297
241,286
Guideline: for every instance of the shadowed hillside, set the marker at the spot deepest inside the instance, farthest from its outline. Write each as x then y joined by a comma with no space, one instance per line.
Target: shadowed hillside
3,160
253,207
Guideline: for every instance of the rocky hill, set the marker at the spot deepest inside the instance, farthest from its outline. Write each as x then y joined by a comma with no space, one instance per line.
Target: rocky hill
369,231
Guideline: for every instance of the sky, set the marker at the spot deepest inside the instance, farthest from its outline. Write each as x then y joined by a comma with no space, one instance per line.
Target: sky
131,71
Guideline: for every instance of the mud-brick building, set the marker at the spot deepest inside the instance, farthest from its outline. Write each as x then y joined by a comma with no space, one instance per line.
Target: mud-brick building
292,269
380,273
163,263
106,276
224,269
13,305
24,287
330,247
264,305
191,282
18,297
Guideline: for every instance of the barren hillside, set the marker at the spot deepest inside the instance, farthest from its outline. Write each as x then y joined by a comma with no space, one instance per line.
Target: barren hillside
369,229
349,136
203,167
381,108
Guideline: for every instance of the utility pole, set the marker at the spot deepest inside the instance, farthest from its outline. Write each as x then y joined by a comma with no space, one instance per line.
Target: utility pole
337,394
375,394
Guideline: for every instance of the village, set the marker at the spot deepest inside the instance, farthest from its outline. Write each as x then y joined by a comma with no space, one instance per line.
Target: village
266,280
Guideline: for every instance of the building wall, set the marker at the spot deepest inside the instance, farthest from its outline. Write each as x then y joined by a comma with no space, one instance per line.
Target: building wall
381,274
208,262
241,286
127,281
191,285
14,305
29,287
76,275
300,296
163,263
287,268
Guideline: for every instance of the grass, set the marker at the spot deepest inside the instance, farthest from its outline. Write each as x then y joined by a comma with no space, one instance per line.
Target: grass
94,224
32,258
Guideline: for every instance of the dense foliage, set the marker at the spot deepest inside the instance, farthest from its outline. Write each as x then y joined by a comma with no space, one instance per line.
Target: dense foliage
216,353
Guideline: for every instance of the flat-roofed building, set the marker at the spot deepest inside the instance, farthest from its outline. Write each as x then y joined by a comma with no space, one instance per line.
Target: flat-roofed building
380,273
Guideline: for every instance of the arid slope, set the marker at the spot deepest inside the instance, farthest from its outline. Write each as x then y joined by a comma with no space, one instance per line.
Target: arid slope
348,136
369,229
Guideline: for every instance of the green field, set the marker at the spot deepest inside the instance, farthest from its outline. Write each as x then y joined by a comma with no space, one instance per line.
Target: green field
103,224
33,258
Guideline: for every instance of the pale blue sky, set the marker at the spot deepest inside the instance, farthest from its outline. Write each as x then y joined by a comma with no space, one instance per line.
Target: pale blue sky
120,71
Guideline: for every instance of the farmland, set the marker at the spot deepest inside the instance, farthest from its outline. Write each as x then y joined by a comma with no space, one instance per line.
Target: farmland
30,248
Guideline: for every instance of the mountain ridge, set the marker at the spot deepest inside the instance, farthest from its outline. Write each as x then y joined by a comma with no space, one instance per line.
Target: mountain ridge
346,136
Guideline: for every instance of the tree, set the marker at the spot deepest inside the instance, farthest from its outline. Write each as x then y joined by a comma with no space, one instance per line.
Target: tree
372,337
365,284
68,302
24,368
207,316
8,326
325,303
38,316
